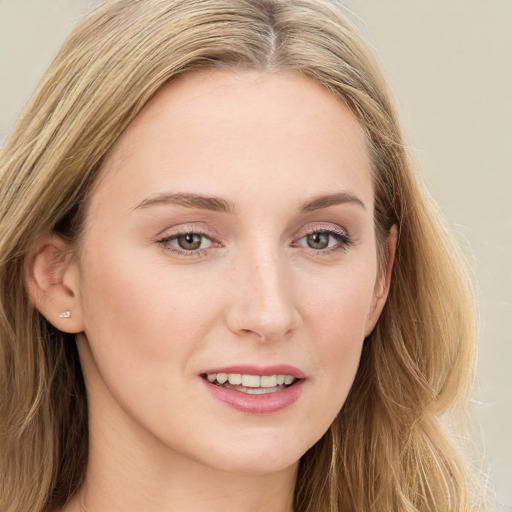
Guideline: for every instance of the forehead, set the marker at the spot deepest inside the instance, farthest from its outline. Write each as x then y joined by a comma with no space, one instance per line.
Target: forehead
248,129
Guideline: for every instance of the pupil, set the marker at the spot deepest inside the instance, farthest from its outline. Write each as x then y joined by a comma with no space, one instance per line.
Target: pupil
189,241
318,240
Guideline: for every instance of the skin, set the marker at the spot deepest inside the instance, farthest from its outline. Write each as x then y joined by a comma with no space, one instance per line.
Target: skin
150,316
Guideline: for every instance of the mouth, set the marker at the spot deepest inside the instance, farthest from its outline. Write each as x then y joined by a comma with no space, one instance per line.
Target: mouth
255,389
251,384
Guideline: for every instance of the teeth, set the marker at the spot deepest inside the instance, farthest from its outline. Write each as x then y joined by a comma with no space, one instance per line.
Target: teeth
222,377
250,381
235,379
268,381
260,391
288,379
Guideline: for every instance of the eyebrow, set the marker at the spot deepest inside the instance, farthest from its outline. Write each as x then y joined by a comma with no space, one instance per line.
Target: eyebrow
331,200
196,201
217,204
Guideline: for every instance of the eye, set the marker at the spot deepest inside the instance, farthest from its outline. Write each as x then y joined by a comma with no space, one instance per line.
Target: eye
325,240
186,242
190,241
318,240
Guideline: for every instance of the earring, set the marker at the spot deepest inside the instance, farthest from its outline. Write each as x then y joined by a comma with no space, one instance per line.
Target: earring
65,314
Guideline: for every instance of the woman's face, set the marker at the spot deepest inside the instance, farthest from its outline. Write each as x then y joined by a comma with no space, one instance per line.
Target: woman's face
230,236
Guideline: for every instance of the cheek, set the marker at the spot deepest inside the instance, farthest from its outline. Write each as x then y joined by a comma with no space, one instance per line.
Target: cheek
338,314
138,311
341,304
144,325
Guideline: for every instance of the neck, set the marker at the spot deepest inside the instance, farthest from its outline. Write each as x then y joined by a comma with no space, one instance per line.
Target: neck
185,490
184,487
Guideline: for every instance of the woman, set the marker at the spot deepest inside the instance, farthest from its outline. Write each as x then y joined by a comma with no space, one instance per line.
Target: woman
222,285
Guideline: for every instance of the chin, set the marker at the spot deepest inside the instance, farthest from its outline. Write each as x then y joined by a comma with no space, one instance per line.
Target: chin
257,465
261,456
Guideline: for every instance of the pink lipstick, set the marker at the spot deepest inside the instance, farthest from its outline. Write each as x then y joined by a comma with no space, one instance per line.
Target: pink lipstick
255,389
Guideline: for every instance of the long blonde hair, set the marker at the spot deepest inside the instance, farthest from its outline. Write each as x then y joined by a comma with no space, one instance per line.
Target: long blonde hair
390,448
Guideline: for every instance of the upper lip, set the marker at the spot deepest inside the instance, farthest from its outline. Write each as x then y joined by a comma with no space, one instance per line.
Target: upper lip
251,369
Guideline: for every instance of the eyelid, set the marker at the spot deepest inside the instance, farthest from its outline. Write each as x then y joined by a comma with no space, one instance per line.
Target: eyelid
322,227
341,234
344,238
167,235
185,228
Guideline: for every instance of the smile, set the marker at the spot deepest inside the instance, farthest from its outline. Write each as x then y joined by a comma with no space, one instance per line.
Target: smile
251,384
255,390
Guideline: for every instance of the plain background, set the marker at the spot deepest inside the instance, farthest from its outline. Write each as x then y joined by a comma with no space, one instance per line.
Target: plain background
449,63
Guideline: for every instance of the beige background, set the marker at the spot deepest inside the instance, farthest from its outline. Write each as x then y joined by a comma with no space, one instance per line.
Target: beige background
450,65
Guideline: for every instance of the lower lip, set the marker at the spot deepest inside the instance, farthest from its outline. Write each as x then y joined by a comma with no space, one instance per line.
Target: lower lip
257,404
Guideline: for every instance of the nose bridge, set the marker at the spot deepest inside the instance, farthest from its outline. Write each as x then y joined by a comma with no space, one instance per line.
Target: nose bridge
264,302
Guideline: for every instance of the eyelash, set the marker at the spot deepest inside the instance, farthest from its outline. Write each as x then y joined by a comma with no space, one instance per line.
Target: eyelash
344,242
166,241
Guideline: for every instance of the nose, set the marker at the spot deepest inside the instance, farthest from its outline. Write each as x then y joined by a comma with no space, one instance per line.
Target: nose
262,303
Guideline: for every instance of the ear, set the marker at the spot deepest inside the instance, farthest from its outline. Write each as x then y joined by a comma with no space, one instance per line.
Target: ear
383,282
52,284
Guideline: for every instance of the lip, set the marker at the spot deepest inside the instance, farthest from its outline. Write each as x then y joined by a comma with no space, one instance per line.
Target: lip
251,369
257,404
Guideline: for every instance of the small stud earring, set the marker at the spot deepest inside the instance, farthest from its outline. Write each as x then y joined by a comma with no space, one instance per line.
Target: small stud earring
65,314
